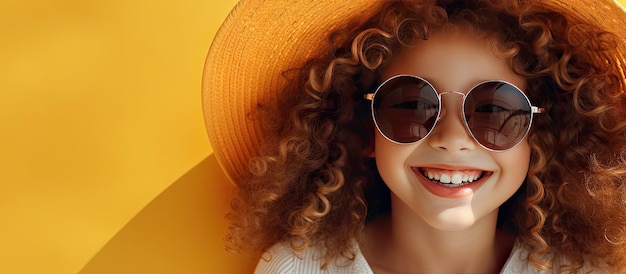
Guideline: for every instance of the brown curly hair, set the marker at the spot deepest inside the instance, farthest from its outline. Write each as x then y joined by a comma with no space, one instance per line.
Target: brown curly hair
314,183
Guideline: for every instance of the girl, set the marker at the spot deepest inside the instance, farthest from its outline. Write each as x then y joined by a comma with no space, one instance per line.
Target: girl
423,136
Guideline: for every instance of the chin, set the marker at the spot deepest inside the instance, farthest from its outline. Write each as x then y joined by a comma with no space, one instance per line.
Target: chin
452,219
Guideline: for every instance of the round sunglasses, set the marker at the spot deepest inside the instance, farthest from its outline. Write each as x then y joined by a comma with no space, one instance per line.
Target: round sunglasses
406,108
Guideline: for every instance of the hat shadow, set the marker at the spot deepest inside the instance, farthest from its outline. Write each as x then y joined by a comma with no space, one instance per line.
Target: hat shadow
180,231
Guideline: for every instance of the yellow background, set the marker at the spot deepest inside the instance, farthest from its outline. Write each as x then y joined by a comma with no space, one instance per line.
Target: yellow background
105,166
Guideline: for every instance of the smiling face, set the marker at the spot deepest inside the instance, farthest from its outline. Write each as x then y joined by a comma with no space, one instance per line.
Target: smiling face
447,180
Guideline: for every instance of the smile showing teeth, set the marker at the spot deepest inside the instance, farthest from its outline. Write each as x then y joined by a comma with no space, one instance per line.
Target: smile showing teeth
452,177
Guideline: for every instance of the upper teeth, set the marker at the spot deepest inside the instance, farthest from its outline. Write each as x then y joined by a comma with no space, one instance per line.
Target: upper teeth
454,177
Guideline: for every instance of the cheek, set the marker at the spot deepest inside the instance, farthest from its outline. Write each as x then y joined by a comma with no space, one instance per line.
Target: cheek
515,163
390,158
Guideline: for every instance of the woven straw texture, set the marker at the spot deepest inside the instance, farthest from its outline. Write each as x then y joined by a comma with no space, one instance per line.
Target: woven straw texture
260,39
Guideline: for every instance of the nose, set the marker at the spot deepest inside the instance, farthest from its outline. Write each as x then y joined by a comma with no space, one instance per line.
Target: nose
450,133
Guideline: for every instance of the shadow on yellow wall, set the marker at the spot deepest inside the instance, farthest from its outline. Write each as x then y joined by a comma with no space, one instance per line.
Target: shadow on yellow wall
180,231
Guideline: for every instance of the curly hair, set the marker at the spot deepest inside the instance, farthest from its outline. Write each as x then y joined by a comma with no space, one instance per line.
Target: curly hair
314,183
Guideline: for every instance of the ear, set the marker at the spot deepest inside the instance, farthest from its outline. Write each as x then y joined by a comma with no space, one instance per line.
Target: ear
371,150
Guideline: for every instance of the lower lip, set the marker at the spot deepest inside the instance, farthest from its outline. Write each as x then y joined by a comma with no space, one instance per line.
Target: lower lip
450,192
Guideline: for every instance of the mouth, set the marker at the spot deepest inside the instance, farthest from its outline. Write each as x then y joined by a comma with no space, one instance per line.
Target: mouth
452,178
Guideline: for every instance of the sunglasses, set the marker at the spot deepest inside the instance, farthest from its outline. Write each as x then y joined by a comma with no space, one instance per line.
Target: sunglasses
406,108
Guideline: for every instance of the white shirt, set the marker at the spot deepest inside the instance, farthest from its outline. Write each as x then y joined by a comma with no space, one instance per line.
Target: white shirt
280,259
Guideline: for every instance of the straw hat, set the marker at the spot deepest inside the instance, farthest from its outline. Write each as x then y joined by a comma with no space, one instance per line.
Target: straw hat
260,39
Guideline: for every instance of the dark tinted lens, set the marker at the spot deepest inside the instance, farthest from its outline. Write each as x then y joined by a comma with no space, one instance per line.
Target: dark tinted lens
497,114
405,109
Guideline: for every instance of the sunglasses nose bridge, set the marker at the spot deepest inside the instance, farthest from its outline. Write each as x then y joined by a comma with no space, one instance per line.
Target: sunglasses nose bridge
443,108
452,92
457,109
450,133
